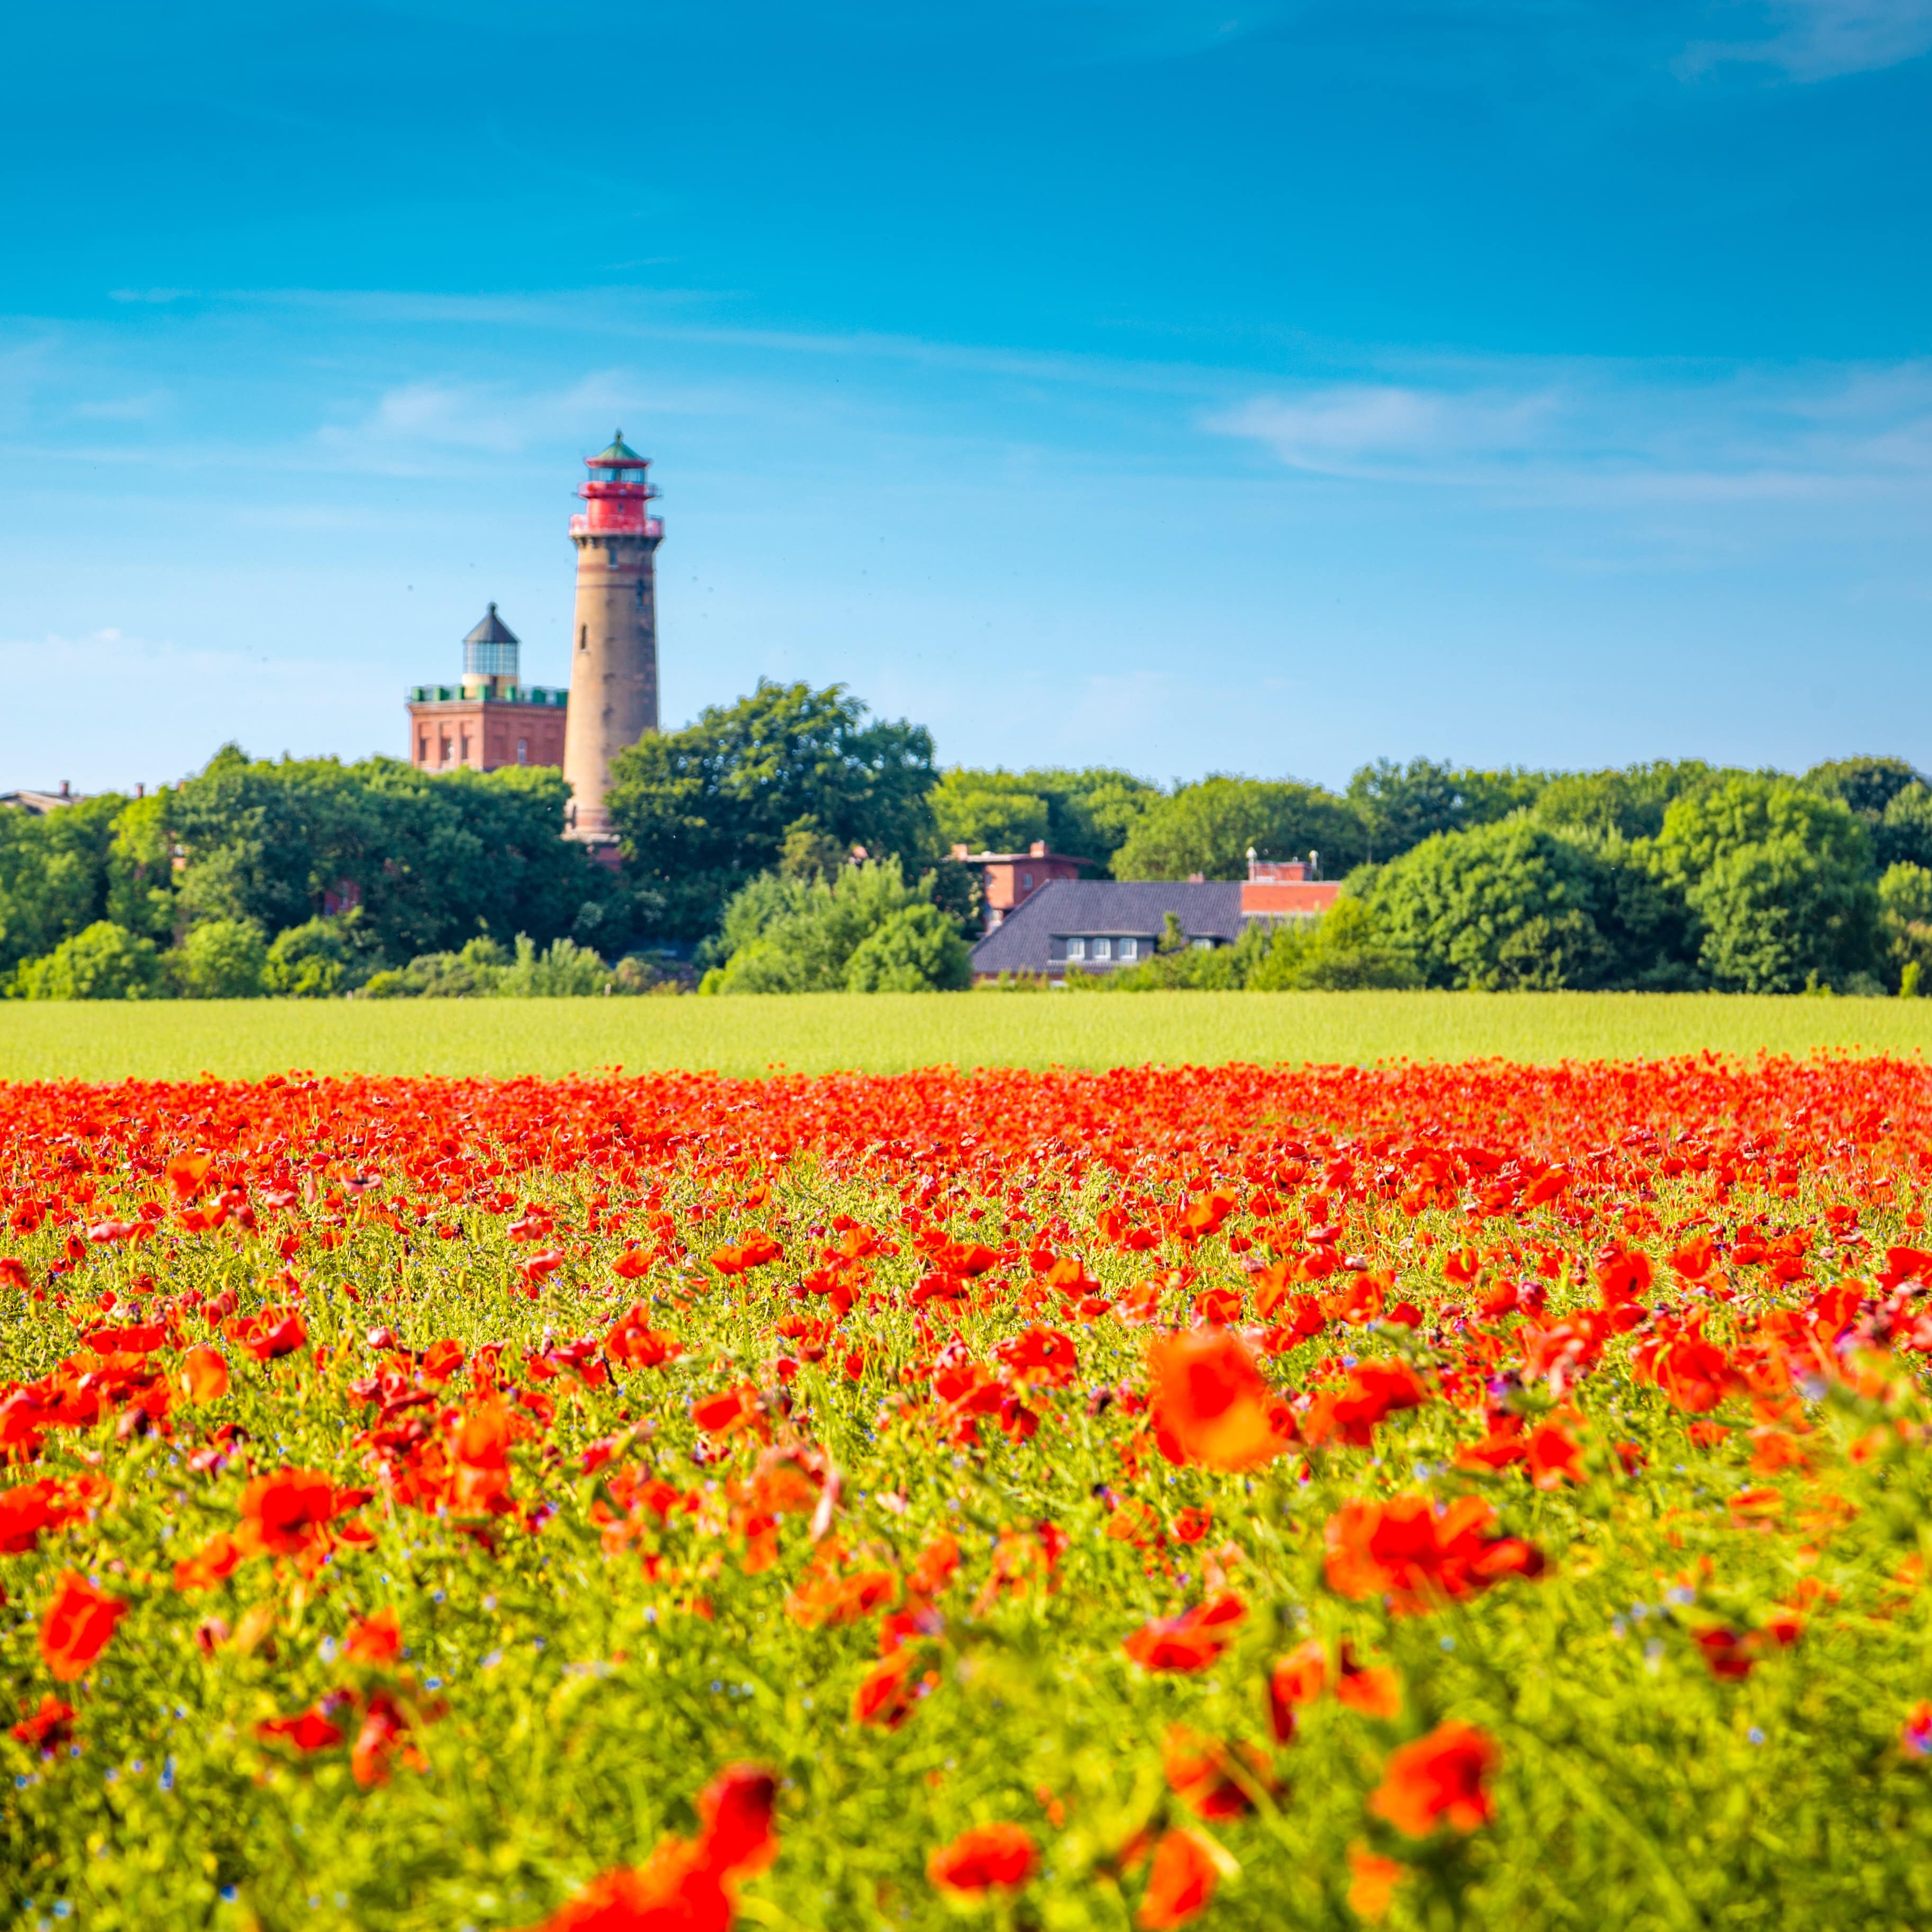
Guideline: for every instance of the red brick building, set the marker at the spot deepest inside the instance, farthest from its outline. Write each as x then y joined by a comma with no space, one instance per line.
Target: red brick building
1282,889
489,720
1009,879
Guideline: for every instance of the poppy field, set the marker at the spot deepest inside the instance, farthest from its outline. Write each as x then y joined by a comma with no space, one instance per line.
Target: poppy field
1424,1497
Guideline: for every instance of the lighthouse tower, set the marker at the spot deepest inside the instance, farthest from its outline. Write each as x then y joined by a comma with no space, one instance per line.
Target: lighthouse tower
613,660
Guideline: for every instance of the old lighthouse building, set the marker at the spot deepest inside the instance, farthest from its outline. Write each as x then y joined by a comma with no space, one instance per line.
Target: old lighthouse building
491,719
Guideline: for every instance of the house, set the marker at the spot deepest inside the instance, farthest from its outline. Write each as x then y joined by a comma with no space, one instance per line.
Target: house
1009,878
1100,925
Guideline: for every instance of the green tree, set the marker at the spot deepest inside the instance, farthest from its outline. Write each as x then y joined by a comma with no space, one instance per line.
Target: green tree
1086,813
1779,878
989,811
917,950
702,810
1515,905
433,859
1866,785
1902,835
1209,827
221,959
103,961
1400,805
57,875
1626,804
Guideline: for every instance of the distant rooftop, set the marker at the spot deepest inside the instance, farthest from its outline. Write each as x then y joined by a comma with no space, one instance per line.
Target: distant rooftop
42,801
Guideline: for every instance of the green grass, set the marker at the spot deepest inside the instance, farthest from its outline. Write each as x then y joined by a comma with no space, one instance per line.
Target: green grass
890,1033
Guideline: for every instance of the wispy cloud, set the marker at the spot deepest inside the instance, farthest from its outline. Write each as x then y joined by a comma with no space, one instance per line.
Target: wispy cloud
1610,432
1821,39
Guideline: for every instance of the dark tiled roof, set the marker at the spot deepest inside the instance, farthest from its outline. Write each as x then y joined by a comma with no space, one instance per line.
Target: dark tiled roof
492,631
1023,941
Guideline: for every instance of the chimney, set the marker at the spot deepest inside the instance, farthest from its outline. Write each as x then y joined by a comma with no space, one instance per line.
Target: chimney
1037,849
140,791
64,792
960,852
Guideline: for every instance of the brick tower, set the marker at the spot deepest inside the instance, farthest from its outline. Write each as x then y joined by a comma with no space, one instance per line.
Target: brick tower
613,674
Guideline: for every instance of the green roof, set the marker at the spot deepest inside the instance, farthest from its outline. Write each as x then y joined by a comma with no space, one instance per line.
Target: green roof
619,452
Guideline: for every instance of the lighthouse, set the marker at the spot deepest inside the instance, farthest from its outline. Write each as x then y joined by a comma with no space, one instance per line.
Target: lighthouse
613,659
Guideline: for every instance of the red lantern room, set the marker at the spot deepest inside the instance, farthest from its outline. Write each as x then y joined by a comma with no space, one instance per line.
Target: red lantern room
617,496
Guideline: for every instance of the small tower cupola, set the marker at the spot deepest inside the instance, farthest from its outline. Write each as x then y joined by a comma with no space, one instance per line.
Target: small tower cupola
489,657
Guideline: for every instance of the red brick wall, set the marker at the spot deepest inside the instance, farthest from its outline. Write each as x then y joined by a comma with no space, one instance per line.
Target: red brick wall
485,736
1004,888
1303,900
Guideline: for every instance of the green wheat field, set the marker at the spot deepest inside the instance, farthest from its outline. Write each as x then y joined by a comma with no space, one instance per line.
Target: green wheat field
887,1033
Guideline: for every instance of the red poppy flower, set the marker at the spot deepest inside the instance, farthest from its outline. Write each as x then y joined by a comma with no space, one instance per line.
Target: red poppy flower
1180,1885
1211,1399
310,1730
76,1625
1189,1641
1405,1549
284,1512
205,1373
1441,1779
376,1640
49,1728
986,1857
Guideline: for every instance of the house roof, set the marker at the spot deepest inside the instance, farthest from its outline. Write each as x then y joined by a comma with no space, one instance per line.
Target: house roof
40,803
1022,941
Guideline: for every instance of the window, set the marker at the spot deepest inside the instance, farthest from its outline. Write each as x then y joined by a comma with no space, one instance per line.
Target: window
448,750
1202,945
1076,949
523,751
1130,949
583,637
422,751
640,593
465,748
1026,882
1103,949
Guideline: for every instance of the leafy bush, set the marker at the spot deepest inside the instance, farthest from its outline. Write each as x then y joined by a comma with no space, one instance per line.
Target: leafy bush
563,970
1344,951
321,957
221,959
917,950
103,961
471,972
799,936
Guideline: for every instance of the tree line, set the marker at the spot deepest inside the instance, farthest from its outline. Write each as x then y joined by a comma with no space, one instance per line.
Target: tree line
792,842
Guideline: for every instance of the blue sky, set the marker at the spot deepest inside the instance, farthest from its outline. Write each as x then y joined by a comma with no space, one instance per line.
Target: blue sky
1253,387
